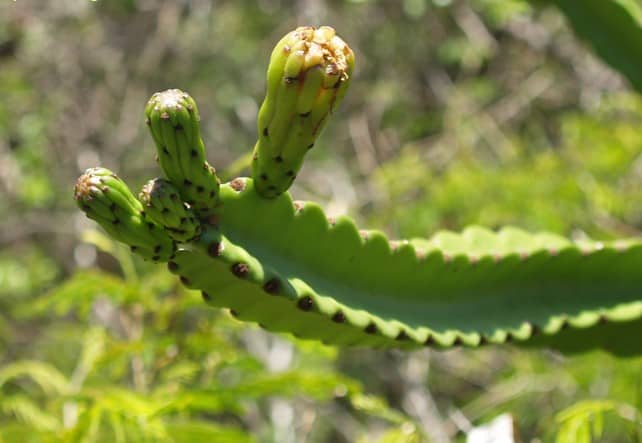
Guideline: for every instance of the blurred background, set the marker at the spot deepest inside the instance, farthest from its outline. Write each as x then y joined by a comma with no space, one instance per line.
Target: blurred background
492,112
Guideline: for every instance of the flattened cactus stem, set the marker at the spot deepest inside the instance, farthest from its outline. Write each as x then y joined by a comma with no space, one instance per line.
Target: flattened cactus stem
173,120
106,199
308,75
164,206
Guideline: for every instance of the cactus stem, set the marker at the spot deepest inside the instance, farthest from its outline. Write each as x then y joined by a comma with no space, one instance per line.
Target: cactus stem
308,75
174,125
163,206
107,199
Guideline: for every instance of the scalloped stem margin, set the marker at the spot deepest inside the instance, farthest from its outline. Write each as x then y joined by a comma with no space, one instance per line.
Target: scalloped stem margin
284,265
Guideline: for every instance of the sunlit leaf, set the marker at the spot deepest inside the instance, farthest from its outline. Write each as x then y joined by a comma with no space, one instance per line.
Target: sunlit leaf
83,288
28,412
377,407
47,377
613,29
201,431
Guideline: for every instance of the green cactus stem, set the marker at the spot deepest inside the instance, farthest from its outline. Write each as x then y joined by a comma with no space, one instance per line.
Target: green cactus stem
173,120
309,73
326,280
286,266
106,199
164,206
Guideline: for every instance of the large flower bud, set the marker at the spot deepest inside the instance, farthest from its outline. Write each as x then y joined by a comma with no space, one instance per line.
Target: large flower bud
308,76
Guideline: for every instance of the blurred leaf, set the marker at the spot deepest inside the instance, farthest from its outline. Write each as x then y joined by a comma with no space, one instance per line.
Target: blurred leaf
83,288
25,410
196,400
200,431
236,167
48,378
584,420
613,29
499,12
593,174
182,372
19,432
97,238
377,407
117,426
406,433
319,385
24,274
92,349
119,251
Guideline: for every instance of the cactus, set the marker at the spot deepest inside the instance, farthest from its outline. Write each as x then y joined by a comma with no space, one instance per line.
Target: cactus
284,265
308,75
106,199
173,120
163,205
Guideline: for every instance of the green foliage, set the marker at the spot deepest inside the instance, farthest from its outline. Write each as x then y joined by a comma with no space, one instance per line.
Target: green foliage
613,28
20,276
501,286
73,75
583,421
191,431
45,376
592,173
332,283
177,382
